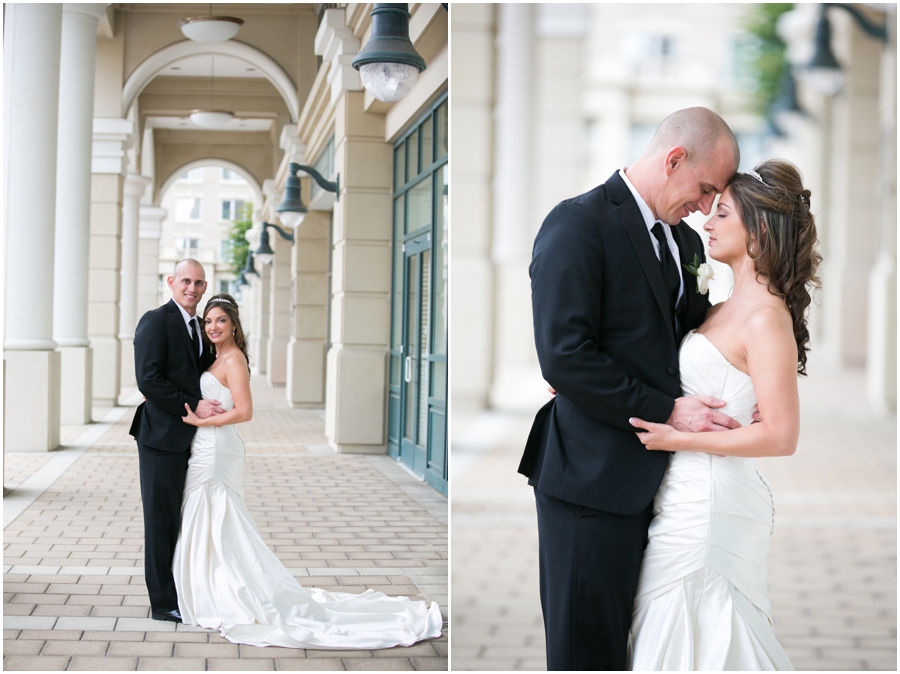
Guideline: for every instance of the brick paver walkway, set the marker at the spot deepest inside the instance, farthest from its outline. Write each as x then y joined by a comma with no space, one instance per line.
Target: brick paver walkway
832,564
74,592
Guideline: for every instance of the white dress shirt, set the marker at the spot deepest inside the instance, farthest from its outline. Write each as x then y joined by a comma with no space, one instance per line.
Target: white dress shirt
188,319
649,220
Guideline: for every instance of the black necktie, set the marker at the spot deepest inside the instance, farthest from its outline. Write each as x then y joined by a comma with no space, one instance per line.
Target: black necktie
668,264
195,338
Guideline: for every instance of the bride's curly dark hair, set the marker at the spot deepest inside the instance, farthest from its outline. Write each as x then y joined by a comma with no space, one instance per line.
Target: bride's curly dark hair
776,215
227,303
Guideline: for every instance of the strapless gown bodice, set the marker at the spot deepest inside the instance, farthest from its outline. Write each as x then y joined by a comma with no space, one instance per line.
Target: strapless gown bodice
702,601
228,579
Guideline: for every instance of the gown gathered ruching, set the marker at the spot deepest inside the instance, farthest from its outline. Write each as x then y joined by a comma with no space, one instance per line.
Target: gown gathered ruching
701,601
228,579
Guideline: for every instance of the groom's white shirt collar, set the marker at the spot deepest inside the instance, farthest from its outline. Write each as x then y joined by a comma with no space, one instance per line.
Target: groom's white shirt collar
649,221
187,322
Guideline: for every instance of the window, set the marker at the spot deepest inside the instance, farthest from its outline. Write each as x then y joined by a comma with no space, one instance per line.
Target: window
231,208
187,209
194,175
650,55
187,248
226,249
225,287
229,176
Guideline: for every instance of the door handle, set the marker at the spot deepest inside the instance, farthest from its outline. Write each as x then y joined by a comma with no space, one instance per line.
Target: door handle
408,370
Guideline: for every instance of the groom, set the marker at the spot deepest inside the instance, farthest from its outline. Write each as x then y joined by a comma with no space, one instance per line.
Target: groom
168,361
611,302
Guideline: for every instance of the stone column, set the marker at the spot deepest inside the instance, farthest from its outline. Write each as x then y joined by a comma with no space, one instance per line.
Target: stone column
881,376
305,385
517,383
108,164
356,380
258,295
279,310
73,208
851,238
133,190
149,230
472,299
31,54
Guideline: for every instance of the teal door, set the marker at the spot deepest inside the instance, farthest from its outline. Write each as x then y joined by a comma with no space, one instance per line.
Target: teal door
414,387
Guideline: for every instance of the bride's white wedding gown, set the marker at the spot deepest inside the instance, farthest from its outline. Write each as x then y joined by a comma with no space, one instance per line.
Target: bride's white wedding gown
701,601
229,580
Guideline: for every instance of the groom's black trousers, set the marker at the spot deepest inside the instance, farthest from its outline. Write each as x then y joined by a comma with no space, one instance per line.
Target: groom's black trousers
589,561
162,489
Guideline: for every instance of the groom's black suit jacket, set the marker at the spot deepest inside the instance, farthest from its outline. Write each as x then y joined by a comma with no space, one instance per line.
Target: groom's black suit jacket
606,342
168,374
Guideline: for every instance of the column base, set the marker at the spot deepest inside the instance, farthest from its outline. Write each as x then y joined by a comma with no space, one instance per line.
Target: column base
305,381
355,394
76,384
276,361
127,378
107,366
32,388
358,449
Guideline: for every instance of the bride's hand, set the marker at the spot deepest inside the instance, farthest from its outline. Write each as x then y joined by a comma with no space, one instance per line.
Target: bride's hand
191,418
657,436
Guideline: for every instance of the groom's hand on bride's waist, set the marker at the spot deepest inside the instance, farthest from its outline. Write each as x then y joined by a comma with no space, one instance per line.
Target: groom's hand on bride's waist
697,414
208,408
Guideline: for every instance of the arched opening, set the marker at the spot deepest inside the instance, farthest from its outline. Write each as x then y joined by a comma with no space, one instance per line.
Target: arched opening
205,202
156,63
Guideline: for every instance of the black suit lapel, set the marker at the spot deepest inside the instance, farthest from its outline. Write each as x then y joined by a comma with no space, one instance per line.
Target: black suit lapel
182,329
631,218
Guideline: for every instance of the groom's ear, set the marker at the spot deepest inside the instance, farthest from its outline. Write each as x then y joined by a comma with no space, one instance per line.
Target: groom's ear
675,157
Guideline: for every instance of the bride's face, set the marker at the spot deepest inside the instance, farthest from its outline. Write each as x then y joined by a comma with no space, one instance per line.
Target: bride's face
218,326
727,236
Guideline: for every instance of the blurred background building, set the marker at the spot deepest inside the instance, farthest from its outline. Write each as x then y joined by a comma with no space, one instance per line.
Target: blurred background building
548,101
130,144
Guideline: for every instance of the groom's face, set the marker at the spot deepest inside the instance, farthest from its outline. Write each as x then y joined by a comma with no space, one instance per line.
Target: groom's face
692,186
188,284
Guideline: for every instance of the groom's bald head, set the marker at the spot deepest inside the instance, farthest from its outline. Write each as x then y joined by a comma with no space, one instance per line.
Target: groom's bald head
701,132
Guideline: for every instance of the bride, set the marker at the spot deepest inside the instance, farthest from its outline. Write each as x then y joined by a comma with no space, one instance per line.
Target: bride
226,577
701,602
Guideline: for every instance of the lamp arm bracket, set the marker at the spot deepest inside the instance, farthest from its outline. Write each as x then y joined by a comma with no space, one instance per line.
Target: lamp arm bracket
876,31
327,185
287,236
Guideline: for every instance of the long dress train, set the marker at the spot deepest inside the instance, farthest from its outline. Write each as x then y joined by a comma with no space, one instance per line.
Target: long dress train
228,579
701,602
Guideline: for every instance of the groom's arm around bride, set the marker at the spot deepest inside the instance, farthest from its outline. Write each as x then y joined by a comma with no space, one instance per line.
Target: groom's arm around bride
609,310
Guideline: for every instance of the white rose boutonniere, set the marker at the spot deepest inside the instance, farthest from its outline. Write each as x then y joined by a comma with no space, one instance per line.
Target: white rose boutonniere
703,272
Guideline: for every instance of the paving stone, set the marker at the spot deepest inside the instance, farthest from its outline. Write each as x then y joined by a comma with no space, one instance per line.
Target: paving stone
171,664
232,665
396,665
21,647
74,558
35,663
54,647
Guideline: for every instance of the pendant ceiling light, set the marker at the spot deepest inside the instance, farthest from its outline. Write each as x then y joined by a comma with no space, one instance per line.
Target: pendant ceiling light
210,29
211,118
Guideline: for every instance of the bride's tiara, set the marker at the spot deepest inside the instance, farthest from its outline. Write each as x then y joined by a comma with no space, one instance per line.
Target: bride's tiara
221,299
758,177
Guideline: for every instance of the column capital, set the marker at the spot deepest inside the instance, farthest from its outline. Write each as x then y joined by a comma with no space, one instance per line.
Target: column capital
135,184
110,141
91,13
150,225
290,142
335,43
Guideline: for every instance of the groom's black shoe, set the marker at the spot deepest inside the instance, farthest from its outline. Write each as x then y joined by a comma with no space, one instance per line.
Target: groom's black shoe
172,615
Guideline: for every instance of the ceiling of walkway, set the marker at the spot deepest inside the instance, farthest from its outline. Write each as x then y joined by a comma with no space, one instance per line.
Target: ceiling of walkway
272,51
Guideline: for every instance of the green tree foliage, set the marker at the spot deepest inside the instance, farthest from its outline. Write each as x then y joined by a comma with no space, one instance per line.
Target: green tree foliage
240,247
766,62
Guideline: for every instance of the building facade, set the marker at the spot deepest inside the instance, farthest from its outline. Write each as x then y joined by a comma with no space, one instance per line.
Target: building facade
115,85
